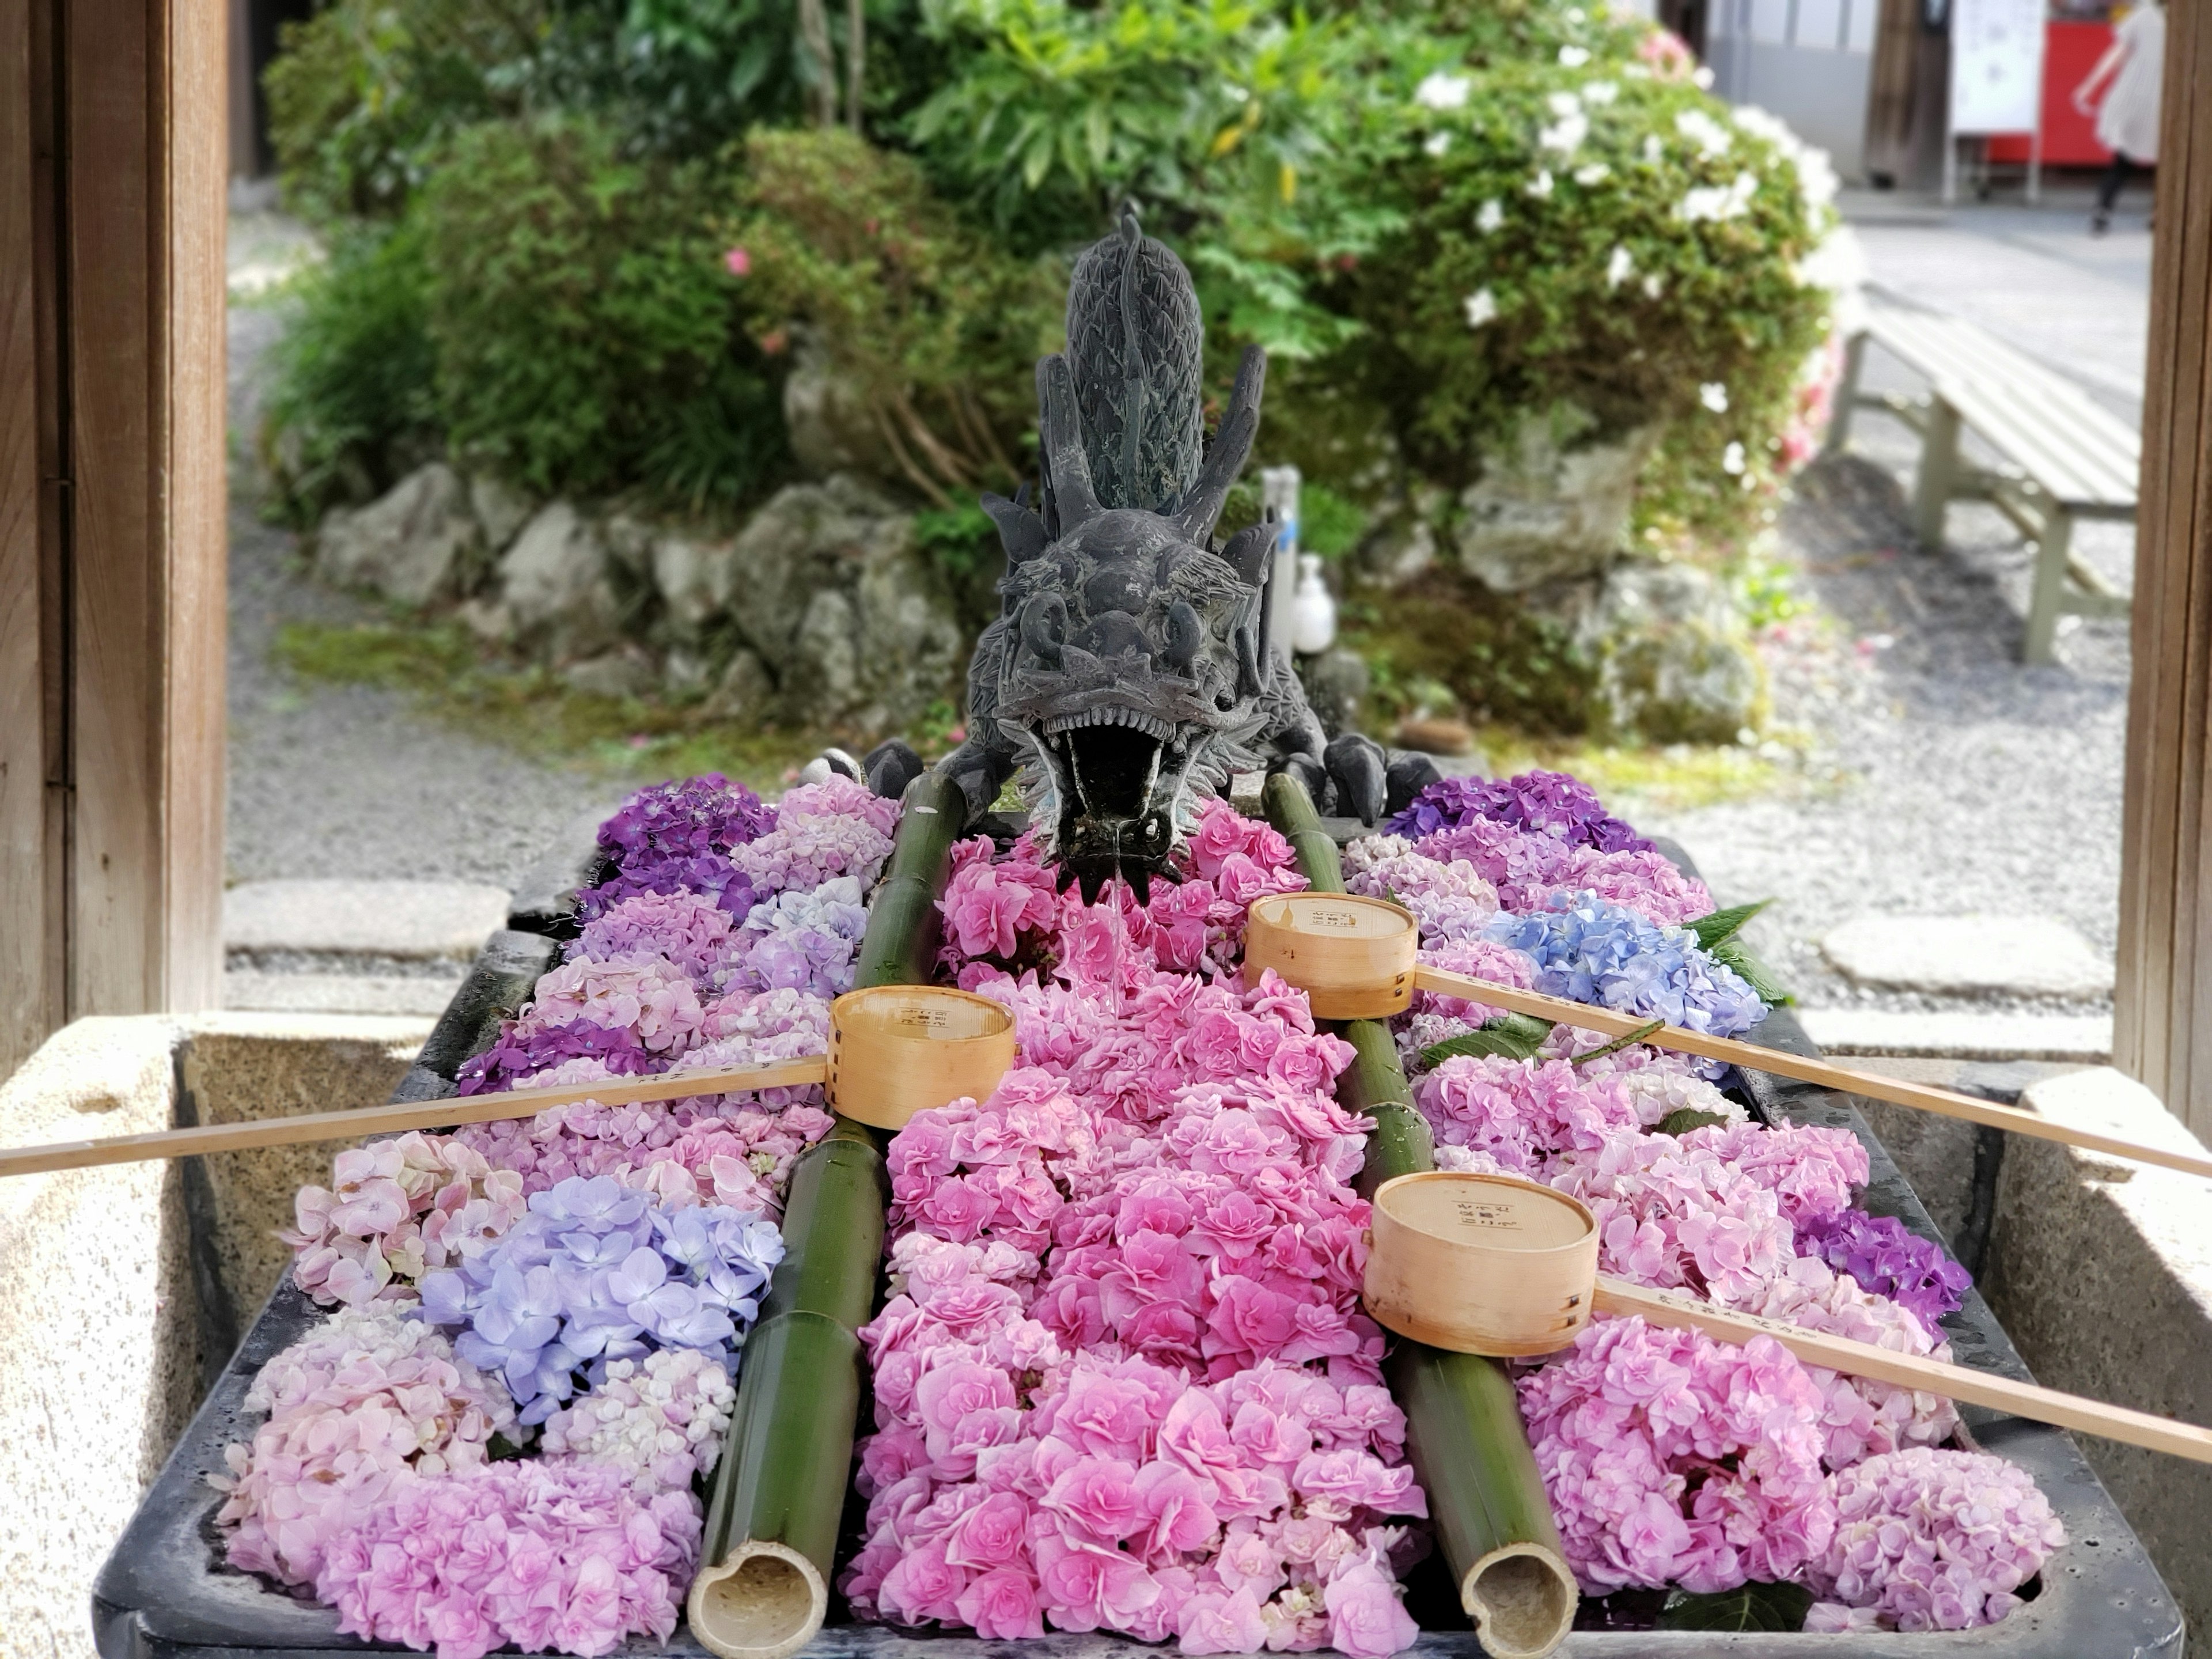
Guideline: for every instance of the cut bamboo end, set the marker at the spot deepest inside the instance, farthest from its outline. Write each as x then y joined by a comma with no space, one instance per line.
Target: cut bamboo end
765,1601
1522,1601
1353,957
898,1049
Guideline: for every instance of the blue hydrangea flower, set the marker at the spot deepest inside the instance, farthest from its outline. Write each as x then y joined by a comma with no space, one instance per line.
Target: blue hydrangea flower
1606,954
596,1272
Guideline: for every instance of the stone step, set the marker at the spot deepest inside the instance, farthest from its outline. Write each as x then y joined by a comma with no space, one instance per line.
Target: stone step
336,993
2087,1038
1969,955
412,919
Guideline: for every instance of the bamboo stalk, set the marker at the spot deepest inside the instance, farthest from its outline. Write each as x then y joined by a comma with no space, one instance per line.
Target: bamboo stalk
1915,1371
771,1542
444,1114
1464,1435
1751,1057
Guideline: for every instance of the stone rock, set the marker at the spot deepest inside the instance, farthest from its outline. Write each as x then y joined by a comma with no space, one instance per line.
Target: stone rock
625,672
1673,663
500,511
488,620
744,692
1335,682
831,425
246,990
683,567
826,585
1552,505
553,584
367,918
408,545
98,1305
2083,1038
1969,955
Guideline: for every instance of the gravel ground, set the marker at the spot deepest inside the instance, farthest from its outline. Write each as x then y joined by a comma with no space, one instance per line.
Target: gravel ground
335,780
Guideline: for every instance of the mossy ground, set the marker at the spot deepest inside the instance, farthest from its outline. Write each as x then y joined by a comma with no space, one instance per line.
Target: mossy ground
528,709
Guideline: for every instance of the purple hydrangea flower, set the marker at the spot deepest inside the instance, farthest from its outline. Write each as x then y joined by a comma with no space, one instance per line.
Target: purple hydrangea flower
1887,1259
711,876
525,1049
683,819
1543,803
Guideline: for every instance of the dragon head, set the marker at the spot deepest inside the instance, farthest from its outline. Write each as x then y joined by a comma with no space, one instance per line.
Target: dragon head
1134,660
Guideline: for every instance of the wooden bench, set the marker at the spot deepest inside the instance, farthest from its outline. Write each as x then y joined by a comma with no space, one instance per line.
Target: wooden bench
2064,455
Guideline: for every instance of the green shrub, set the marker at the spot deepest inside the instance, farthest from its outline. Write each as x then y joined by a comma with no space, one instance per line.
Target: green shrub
588,333
935,328
352,399
1592,234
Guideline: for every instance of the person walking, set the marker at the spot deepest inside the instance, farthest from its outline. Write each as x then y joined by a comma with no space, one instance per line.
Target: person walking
2127,122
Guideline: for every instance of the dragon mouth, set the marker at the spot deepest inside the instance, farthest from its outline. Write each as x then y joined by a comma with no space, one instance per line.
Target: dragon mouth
1118,773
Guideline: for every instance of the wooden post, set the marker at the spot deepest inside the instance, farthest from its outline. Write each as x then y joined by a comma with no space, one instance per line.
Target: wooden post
2164,995
112,146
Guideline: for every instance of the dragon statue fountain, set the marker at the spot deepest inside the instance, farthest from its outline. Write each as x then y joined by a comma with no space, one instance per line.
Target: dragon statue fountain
1129,672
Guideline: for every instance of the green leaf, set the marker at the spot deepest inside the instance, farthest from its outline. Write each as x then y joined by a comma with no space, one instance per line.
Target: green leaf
1722,924
1733,953
1510,1036
1753,1607
1625,1040
1687,1118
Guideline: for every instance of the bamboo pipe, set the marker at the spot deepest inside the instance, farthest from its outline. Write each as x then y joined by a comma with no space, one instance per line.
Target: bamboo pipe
1918,1372
769,1544
1754,1058
1464,1435
407,1114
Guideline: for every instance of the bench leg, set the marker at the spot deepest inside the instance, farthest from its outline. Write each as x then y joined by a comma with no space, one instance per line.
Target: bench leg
1939,468
2045,600
1844,400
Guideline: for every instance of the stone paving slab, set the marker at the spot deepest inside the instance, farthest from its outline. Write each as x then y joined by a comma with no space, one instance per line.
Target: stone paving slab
2085,1038
2018,956
369,918
337,994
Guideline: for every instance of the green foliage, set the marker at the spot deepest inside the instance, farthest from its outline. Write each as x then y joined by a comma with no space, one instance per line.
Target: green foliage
1595,237
962,543
1753,1607
588,334
932,326
1725,923
1510,1036
1681,1122
352,395
1493,657
1328,523
1735,954
1626,1039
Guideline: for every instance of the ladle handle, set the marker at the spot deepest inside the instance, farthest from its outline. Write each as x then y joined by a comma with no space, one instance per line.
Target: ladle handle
1754,1058
407,1114
1841,1353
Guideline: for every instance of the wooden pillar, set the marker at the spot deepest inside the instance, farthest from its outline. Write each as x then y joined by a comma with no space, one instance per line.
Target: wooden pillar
2162,1026
113,150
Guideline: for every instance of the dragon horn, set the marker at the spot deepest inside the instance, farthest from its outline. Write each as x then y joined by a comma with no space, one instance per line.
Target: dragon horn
1060,435
1202,502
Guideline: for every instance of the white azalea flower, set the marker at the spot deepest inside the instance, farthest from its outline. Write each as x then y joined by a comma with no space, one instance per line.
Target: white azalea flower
1654,151
1710,137
1598,93
1732,460
1438,143
1564,135
1714,395
1490,216
1618,266
1718,202
1653,285
1597,173
1574,56
1562,103
1702,78
1540,186
1482,307
1442,91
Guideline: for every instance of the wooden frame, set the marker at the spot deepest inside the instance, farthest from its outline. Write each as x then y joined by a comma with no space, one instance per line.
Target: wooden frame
113,504
2163,998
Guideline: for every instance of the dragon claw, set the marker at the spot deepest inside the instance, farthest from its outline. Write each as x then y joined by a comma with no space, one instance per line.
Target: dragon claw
889,767
1408,774
1355,763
